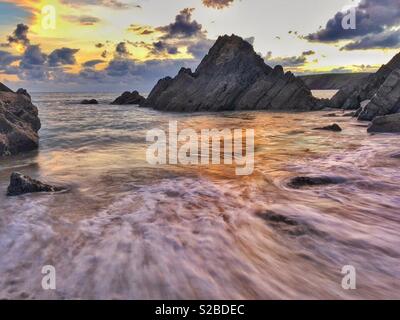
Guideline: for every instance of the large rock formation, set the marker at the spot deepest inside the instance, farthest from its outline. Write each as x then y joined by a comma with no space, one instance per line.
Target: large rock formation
231,77
351,96
19,123
128,98
385,101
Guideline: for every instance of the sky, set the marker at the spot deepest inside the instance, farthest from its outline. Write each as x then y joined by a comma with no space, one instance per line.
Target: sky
118,45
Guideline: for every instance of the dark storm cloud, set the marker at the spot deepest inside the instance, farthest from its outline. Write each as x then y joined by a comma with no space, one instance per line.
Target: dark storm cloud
389,39
63,56
373,18
33,56
164,47
121,49
217,4
20,35
183,27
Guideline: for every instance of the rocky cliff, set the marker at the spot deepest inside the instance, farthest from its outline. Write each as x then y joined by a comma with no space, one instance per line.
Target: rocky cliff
19,123
231,77
351,96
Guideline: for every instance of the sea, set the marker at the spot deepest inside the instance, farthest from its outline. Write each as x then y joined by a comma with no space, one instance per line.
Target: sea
126,229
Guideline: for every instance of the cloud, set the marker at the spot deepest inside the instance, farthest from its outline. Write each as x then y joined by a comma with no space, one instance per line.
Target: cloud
92,63
183,27
164,47
308,53
294,61
63,56
141,30
83,20
20,35
33,56
375,23
113,4
390,39
217,4
121,49
99,45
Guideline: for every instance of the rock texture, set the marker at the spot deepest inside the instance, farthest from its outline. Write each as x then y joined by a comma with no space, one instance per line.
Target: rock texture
386,100
19,124
91,101
351,96
386,124
20,184
129,98
231,77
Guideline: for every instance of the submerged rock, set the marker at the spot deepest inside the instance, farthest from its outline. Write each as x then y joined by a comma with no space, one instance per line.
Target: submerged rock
20,184
300,182
128,98
19,123
232,77
385,124
334,127
91,101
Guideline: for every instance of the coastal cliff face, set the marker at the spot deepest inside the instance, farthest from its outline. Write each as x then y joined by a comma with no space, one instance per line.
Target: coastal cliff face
19,123
231,77
351,96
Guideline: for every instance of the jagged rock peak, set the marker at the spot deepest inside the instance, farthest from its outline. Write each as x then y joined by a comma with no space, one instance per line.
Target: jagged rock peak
232,76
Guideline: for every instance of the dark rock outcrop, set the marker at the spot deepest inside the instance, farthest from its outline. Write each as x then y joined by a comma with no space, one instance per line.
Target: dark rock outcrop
19,124
91,101
386,124
24,92
334,127
386,101
20,184
128,98
4,88
351,96
231,77
300,182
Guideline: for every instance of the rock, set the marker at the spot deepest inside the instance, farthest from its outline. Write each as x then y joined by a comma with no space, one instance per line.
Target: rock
231,77
92,101
19,124
386,100
20,184
300,182
395,155
4,88
386,124
24,92
334,127
351,96
128,98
